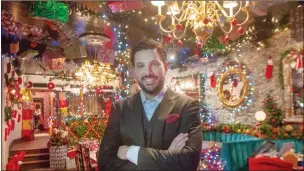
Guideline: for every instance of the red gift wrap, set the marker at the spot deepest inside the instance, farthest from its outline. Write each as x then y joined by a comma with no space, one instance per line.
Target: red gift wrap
53,61
267,163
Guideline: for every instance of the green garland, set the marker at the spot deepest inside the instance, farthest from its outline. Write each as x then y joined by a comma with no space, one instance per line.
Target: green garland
8,113
262,131
281,67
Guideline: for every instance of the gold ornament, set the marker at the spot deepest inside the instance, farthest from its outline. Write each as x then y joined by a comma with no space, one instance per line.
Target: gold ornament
288,128
203,31
255,133
239,131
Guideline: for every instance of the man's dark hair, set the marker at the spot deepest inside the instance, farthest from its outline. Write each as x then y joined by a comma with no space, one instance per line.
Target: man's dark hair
148,44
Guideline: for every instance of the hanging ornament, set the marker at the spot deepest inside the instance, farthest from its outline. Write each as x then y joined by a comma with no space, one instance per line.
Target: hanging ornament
179,43
5,134
12,124
50,85
269,68
14,47
29,84
299,63
196,51
8,67
241,30
19,80
206,21
169,38
19,118
179,26
234,22
33,44
212,81
199,44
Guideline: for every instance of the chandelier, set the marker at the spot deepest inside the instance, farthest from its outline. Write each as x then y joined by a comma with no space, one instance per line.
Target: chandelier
94,76
94,39
201,16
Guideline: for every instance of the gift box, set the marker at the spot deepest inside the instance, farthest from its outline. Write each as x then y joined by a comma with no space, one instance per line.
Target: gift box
120,6
92,145
71,163
76,50
51,10
53,60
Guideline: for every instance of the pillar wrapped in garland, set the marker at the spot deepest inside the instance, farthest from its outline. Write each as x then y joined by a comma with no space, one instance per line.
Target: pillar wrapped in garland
108,107
63,110
27,132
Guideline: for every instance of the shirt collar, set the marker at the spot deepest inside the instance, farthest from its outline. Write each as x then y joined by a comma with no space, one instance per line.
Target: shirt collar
157,98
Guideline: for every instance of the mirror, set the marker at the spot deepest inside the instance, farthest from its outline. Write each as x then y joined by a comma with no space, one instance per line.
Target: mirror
233,87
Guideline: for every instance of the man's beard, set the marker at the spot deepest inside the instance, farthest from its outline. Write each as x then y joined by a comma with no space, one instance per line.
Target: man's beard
155,90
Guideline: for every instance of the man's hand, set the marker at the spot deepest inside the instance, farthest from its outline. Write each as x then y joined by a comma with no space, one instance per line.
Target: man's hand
122,152
179,142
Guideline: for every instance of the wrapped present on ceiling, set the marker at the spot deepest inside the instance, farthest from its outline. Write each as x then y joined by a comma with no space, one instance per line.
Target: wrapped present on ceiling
51,10
53,60
121,6
76,50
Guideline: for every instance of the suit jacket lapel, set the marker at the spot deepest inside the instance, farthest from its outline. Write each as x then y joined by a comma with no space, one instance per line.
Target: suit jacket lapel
135,117
159,117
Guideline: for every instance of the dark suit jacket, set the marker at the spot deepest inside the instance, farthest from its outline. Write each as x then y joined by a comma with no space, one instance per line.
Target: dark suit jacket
125,128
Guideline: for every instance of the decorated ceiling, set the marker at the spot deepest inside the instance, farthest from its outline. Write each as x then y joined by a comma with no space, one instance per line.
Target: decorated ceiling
76,31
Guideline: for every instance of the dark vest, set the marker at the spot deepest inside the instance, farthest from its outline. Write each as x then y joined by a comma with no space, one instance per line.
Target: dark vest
147,127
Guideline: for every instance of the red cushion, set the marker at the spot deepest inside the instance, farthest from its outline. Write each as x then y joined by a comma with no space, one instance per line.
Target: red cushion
267,163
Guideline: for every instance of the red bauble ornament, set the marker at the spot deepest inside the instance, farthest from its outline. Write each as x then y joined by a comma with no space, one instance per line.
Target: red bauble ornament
199,44
206,21
179,43
33,44
241,30
273,120
29,84
51,85
19,80
234,22
179,26
169,37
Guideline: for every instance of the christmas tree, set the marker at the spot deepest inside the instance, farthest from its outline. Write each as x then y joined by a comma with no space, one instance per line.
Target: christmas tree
211,159
273,121
274,114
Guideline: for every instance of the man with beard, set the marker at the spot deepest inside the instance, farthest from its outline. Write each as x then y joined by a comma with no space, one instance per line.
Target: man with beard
156,128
